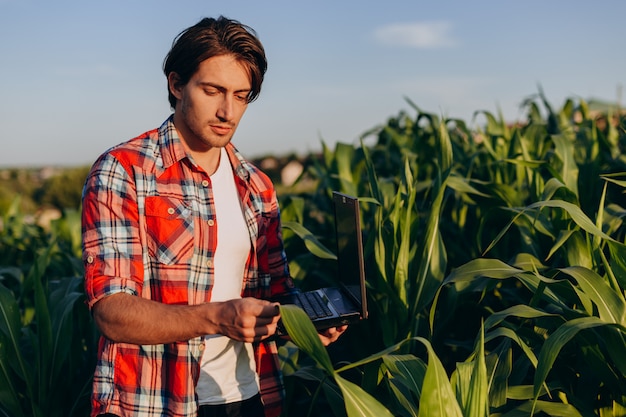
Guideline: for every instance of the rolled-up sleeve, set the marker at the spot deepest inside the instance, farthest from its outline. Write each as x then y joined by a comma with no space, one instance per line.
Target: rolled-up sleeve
277,259
112,252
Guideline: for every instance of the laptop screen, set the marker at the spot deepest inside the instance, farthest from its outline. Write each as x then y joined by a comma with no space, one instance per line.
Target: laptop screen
351,269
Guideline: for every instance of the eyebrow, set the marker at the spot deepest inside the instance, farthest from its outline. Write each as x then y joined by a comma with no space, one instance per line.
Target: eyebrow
222,88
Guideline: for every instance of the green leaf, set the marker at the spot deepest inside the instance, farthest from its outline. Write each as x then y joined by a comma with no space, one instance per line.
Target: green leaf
358,402
500,362
445,155
437,399
371,175
479,385
44,356
10,357
302,332
311,242
462,185
575,212
610,304
506,332
406,376
553,409
522,310
403,260
618,262
472,385
305,336
407,369
403,398
493,268
565,151
555,343
63,330
433,257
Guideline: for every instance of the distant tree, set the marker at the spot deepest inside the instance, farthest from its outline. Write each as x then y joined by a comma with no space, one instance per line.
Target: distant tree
62,191
16,182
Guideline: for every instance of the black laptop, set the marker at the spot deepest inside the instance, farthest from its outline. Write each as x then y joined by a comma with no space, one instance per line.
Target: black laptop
346,302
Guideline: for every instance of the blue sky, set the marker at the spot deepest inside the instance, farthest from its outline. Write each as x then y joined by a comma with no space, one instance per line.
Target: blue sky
77,77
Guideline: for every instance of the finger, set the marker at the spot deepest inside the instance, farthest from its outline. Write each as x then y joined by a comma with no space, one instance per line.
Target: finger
266,309
325,340
334,331
332,334
263,332
266,321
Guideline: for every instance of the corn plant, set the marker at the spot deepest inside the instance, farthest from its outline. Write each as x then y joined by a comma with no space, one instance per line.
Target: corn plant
417,388
541,199
47,340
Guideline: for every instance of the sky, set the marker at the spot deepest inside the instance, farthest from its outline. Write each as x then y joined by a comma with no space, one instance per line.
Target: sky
80,76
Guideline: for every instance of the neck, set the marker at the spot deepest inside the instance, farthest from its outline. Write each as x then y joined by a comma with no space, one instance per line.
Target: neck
207,157
208,160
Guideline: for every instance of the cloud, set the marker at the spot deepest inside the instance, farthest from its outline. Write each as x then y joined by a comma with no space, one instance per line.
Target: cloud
422,35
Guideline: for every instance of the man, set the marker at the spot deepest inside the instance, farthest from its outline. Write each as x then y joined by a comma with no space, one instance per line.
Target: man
182,247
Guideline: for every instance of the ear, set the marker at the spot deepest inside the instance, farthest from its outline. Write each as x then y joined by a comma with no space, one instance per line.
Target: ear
174,85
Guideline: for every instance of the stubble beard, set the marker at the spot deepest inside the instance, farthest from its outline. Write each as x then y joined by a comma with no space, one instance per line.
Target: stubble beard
202,136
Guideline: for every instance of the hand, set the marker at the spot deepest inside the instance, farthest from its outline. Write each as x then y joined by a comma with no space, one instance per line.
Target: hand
331,335
247,319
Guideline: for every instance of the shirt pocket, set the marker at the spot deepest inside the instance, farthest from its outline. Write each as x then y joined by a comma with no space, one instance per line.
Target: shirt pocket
170,234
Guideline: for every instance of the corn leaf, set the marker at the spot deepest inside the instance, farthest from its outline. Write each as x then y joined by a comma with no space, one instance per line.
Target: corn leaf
569,170
493,268
555,343
303,334
312,243
11,362
406,369
437,399
477,388
610,304
549,408
511,334
358,402
515,311
406,378
575,213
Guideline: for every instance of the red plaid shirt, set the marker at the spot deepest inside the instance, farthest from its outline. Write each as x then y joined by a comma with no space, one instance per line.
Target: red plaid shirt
149,230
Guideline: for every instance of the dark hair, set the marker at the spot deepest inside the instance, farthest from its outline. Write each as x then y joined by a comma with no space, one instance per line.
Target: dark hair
213,37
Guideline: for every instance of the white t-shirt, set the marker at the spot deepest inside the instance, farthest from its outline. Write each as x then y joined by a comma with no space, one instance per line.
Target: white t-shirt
227,372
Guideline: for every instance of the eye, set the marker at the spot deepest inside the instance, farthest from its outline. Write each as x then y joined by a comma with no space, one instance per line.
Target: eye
211,91
241,97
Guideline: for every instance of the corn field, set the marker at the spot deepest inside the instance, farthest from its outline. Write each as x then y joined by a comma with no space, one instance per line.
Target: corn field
496,268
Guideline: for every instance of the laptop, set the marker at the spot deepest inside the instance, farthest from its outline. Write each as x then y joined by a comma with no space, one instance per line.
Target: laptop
346,302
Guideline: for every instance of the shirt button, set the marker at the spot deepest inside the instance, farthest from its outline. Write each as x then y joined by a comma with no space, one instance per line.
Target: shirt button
201,347
205,183
209,263
211,222
90,259
171,210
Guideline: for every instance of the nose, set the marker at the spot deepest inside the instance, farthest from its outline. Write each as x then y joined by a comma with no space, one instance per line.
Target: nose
225,109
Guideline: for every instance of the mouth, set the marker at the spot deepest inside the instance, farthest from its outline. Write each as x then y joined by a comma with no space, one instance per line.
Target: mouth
221,129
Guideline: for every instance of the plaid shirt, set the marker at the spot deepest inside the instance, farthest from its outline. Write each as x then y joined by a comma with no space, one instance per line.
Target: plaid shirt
149,230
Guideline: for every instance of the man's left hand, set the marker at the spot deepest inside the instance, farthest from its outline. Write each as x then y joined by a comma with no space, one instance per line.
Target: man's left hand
331,335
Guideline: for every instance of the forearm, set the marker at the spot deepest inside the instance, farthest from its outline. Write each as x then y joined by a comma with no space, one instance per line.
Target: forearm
131,319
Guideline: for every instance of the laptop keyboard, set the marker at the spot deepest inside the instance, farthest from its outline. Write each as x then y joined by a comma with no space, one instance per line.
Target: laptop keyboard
313,304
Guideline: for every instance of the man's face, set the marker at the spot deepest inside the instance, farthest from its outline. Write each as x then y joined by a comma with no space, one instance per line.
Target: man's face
211,104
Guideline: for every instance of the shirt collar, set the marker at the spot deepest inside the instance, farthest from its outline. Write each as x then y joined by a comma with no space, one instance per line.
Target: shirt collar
173,151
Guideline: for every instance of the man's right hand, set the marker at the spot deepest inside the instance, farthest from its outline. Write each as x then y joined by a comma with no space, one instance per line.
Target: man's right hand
246,320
